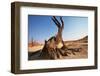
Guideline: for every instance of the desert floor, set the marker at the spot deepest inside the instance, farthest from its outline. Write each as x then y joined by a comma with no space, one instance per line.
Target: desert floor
33,53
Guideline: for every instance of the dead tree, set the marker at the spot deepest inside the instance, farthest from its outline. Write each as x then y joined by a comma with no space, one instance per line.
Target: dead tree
53,48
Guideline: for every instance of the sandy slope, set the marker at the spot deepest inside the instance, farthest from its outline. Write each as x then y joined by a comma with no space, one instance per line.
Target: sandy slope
35,48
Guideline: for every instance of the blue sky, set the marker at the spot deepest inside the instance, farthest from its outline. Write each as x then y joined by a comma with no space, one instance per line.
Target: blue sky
41,28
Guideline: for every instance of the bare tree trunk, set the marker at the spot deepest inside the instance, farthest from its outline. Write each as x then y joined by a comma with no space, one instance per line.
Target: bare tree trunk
60,27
